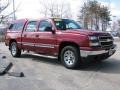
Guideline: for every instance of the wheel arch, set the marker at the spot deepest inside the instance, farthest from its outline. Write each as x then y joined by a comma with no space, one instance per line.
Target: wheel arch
12,40
67,43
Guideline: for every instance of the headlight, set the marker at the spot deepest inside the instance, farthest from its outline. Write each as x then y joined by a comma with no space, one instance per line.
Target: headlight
91,38
94,41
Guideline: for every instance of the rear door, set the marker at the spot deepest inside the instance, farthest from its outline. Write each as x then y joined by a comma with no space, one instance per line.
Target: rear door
28,36
45,40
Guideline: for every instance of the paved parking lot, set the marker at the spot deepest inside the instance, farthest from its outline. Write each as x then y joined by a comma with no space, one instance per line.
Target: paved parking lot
49,74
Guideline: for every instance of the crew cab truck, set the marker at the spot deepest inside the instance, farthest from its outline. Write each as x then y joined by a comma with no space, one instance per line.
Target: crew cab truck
59,37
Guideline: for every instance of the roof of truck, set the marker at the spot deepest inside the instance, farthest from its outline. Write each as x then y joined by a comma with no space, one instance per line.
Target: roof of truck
26,19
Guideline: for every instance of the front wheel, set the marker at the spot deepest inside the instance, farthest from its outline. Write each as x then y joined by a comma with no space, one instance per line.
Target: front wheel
70,57
15,51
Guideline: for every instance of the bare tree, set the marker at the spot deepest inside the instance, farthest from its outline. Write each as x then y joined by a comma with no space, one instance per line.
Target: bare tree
94,15
52,8
4,5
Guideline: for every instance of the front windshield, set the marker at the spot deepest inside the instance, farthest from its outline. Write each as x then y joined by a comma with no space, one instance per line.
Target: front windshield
64,24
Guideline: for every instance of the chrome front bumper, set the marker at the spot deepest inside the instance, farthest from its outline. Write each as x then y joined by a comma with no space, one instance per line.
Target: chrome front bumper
85,53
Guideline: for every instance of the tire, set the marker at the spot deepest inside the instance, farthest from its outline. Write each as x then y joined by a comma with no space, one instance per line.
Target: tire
70,57
15,51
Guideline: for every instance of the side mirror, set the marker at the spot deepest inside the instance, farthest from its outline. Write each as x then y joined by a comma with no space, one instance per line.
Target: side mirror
53,31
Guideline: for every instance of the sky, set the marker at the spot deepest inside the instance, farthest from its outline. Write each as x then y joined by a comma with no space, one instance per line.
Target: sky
31,8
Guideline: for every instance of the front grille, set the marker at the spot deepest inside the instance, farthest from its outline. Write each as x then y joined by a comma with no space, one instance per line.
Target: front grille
106,41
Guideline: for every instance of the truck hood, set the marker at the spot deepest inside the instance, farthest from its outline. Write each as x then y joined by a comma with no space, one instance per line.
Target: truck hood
87,32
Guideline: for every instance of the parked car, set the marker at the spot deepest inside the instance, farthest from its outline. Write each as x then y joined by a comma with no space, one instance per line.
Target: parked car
63,38
115,34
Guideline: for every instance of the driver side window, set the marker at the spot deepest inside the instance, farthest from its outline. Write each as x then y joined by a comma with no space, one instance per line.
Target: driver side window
71,25
45,26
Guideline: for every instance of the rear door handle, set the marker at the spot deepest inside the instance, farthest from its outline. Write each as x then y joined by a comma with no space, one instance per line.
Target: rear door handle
37,36
25,35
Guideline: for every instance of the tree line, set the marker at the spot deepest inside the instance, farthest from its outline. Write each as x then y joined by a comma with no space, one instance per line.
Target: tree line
92,15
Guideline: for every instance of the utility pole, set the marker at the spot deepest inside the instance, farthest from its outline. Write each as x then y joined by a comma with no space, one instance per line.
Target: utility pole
14,16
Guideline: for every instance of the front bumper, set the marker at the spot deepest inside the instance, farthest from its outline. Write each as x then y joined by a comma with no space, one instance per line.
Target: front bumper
86,53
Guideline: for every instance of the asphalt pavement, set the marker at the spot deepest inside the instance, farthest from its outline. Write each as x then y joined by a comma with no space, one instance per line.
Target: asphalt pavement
42,73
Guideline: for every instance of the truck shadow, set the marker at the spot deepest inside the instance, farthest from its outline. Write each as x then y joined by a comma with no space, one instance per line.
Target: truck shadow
42,59
110,65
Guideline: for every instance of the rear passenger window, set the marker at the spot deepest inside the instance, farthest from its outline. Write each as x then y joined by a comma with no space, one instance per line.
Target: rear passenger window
16,26
31,27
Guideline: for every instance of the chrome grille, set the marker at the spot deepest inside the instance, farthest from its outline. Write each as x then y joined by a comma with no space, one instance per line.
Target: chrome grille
106,41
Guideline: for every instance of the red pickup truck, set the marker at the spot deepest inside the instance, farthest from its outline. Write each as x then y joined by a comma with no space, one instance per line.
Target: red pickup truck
59,37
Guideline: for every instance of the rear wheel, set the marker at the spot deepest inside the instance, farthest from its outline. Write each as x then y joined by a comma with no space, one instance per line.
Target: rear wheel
70,57
15,51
